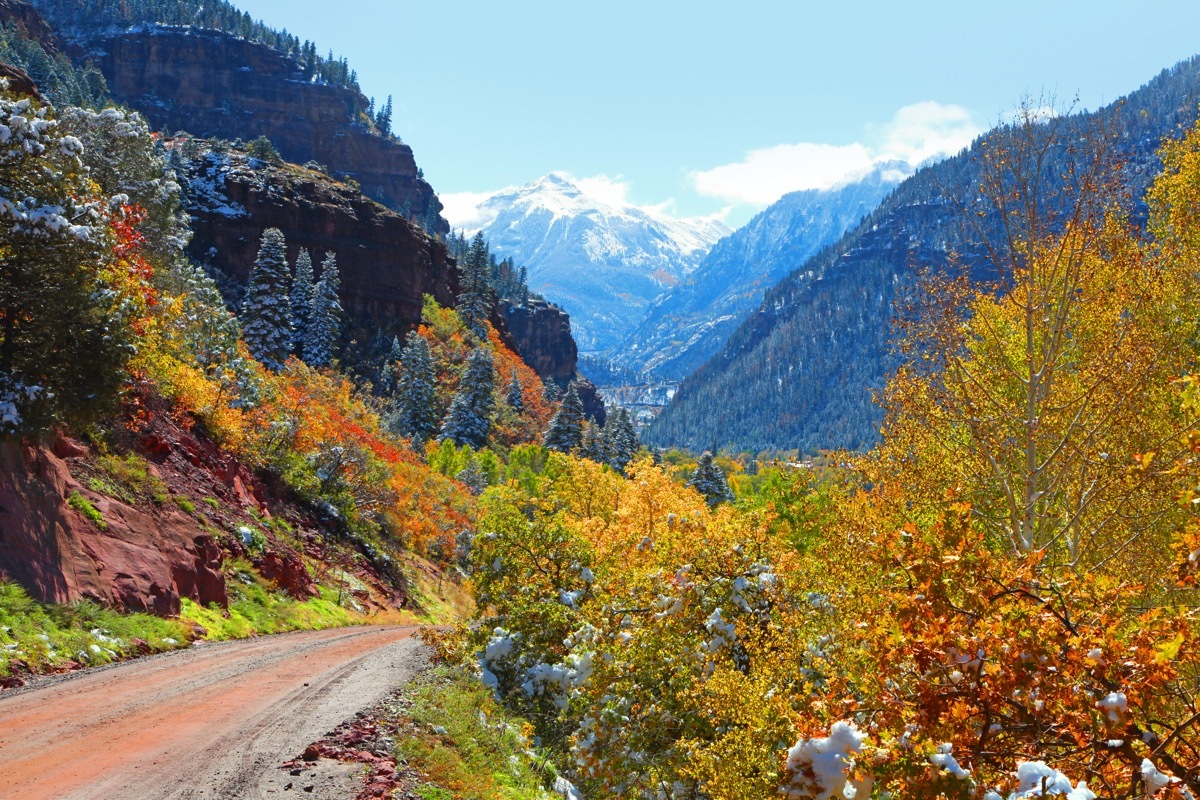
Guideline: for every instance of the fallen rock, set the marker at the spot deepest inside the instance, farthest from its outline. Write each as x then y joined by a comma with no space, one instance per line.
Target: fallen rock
289,573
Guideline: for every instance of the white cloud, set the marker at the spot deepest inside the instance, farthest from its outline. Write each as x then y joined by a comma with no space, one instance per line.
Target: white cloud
766,175
916,133
611,191
464,210
927,130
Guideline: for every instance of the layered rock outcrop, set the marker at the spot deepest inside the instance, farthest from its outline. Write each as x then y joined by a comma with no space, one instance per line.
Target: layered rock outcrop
541,333
387,264
211,83
136,559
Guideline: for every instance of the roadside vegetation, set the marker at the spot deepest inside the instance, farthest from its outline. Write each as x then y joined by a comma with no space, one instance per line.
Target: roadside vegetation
467,746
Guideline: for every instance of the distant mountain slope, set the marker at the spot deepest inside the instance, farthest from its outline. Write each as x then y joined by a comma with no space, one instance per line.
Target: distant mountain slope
798,373
686,326
603,262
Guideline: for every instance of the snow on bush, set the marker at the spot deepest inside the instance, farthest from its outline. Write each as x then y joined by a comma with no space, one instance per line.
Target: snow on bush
1115,705
1156,781
1036,779
823,768
944,760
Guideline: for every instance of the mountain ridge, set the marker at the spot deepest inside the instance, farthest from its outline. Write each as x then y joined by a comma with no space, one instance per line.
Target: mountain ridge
603,261
689,323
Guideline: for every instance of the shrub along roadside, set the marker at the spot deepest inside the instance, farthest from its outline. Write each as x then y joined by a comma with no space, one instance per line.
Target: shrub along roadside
468,747
38,638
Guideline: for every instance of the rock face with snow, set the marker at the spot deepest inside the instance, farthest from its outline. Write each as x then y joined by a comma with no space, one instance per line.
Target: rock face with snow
386,263
684,327
210,83
604,262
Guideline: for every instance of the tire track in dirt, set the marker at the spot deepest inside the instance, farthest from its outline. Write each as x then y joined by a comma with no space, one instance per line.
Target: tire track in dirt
214,721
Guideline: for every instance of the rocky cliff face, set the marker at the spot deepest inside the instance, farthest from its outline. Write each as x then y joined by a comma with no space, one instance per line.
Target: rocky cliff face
386,262
27,19
543,332
65,537
210,83
142,560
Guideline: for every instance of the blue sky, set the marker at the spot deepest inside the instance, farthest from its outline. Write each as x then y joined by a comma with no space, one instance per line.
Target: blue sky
707,108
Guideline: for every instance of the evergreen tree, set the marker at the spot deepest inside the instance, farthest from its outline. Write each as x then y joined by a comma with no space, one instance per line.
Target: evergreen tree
302,298
710,481
514,397
267,309
474,302
621,439
387,374
472,477
414,403
593,445
325,320
264,150
469,420
566,428
383,120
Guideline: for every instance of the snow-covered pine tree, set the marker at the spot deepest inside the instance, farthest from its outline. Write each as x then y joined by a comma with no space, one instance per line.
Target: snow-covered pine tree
414,403
469,420
566,427
472,477
302,297
387,373
325,317
475,301
710,481
515,397
593,445
621,439
267,309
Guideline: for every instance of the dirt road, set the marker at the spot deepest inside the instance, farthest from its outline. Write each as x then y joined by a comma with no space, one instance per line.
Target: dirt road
215,721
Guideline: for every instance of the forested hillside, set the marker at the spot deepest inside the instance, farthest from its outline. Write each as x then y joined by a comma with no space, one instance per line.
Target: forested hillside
691,321
800,371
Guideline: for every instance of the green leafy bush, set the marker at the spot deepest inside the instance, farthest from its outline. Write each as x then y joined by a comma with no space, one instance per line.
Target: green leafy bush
85,507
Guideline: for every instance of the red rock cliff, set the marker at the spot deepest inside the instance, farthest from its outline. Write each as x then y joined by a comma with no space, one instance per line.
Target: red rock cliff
210,83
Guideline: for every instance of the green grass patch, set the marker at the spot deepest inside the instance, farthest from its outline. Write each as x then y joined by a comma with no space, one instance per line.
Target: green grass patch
38,637
129,478
257,609
213,503
185,505
85,507
485,752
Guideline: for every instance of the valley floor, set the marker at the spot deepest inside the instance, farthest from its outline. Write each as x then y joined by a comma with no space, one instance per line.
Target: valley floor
214,721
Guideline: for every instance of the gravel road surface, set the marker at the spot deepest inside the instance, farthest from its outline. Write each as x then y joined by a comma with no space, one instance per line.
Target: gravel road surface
213,721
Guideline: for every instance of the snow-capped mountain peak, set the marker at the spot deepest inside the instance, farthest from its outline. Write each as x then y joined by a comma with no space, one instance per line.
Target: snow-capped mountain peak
590,249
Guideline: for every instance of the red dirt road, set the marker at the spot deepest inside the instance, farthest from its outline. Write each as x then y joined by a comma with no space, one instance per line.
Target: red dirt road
214,721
